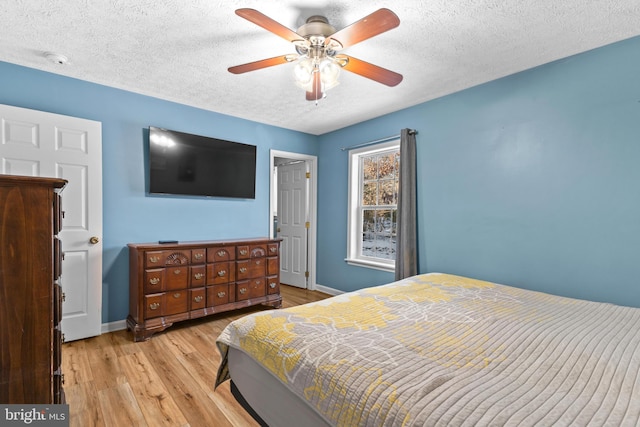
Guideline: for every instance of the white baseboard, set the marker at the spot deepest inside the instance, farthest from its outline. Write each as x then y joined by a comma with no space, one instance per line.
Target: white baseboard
328,290
114,326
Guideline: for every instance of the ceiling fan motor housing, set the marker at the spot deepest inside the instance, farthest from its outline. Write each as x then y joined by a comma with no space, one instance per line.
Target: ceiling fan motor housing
315,31
316,25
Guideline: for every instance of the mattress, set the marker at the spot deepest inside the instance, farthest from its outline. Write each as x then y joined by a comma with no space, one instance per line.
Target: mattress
269,398
439,349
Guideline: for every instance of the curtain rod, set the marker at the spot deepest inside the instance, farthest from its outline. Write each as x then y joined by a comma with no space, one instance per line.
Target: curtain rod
388,138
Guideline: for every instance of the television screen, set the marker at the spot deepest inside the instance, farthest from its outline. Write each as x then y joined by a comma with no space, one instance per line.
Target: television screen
185,164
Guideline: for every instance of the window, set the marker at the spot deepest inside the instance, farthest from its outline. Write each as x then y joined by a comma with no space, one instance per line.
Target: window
373,198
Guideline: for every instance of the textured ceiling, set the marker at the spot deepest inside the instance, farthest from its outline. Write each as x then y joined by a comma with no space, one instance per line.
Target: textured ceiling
179,50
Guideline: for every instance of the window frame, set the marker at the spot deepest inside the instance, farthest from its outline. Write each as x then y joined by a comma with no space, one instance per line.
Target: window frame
354,219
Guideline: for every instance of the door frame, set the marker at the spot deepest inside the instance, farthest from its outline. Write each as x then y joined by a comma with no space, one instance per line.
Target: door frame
312,214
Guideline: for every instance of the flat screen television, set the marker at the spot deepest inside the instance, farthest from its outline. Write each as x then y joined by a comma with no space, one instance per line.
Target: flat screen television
186,164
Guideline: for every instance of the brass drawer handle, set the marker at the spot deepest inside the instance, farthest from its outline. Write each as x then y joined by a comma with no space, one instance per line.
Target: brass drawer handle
154,280
63,339
176,272
243,252
198,256
198,276
258,262
243,269
243,291
221,273
154,306
198,298
272,285
273,249
221,294
258,282
154,259
177,295
221,253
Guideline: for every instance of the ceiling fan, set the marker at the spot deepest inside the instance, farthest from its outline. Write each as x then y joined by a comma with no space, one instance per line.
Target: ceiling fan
317,44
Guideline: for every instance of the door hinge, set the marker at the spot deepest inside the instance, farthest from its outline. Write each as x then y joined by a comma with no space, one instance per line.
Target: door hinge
308,174
306,274
307,224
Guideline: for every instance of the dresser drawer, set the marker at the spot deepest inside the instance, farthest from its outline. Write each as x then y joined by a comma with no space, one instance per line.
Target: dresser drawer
57,258
177,257
273,285
242,270
257,251
273,265
217,295
198,256
154,281
221,253
57,304
57,349
176,302
198,276
258,287
253,288
197,298
57,214
273,249
221,272
154,259
176,277
251,268
242,252
153,306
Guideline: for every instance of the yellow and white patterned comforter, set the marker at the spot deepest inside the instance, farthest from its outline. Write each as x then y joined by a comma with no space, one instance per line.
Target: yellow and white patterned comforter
438,349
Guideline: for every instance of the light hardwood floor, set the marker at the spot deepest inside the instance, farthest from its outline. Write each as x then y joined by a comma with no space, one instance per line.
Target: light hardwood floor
165,381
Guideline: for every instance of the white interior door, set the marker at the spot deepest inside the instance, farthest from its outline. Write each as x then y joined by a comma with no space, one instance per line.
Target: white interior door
37,143
292,223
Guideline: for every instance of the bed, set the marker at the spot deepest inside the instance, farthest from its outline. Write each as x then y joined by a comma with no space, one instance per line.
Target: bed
437,350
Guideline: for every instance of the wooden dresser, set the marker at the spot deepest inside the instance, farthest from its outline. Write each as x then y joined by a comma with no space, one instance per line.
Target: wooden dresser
30,295
172,282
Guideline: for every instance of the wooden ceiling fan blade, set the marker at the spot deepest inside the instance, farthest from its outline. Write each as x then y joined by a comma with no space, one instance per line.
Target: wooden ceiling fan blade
315,93
263,63
370,71
371,25
268,24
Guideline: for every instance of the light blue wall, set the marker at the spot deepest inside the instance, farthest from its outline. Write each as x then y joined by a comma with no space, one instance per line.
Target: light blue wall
532,180
130,215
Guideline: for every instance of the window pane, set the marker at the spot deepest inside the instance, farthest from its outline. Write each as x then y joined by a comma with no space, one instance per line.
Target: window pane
386,166
369,169
368,232
369,193
379,233
387,192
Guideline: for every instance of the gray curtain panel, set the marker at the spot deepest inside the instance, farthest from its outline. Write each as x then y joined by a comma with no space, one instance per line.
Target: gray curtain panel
407,229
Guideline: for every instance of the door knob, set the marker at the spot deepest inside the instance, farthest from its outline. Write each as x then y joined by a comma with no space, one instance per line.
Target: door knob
94,240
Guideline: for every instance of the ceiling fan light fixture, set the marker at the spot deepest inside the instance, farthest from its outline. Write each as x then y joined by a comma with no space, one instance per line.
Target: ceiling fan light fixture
303,73
329,72
305,68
